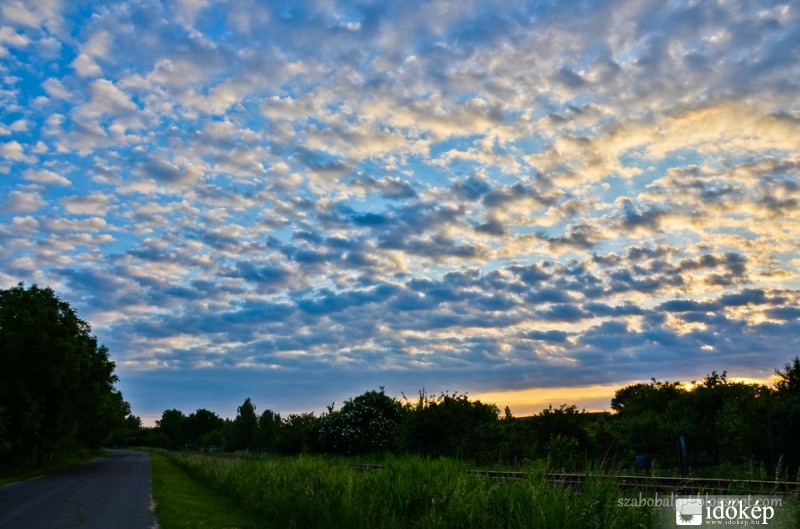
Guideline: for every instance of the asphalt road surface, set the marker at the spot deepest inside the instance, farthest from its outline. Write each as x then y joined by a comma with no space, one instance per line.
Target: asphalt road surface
108,493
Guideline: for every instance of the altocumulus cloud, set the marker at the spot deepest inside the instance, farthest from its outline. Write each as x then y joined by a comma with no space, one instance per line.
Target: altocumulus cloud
298,203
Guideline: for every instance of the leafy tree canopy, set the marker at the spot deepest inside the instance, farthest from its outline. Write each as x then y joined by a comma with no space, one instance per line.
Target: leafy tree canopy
367,423
57,389
789,378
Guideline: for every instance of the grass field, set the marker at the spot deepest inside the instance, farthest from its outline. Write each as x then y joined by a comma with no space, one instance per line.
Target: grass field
185,502
409,492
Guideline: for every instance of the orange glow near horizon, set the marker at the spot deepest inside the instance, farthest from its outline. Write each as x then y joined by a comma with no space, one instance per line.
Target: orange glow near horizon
597,397
531,401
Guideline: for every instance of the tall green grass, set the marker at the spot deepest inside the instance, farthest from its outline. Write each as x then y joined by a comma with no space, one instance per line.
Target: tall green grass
184,502
409,492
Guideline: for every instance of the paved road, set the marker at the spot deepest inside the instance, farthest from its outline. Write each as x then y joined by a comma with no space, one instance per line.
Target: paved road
109,493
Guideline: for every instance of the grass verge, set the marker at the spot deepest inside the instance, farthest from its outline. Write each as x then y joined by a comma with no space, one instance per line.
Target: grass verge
13,475
182,501
407,493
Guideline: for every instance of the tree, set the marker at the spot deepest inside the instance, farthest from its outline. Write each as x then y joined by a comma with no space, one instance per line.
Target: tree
720,420
204,428
650,397
299,434
130,434
57,389
245,426
723,421
269,428
562,433
789,379
785,416
646,421
173,425
741,423
453,425
367,423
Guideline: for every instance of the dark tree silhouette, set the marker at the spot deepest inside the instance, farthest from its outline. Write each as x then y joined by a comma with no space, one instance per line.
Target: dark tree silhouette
245,426
57,389
367,423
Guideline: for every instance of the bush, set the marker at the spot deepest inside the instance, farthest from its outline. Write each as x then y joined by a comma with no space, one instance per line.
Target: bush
365,424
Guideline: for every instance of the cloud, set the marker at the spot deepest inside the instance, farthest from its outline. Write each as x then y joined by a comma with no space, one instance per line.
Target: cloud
262,275
24,201
45,176
14,151
485,199
32,14
12,38
387,187
166,172
93,204
86,66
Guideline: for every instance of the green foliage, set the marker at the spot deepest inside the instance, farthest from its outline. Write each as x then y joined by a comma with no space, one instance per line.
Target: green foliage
410,491
181,501
785,416
789,378
268,432
245,426
173,425
203,429
453,426
299,434
723,423
57,389
129,434
365,424
199,430
636,398
517,443
568,437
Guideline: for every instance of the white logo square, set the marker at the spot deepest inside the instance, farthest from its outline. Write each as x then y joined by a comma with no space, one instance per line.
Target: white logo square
688,511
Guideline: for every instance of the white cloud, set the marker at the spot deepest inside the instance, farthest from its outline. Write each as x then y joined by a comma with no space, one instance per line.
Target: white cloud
55,88
187,11
23,201
93,204
32,13
44,176
12,38
86,66
25,225
97,47
108,99
20,125
84,224
13,150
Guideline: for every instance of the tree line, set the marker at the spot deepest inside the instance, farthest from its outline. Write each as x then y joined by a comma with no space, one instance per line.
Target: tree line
57,384
719,422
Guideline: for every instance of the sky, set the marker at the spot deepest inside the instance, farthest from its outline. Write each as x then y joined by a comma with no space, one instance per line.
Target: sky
528,202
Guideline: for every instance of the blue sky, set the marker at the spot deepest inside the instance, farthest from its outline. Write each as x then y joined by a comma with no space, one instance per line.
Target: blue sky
300,201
